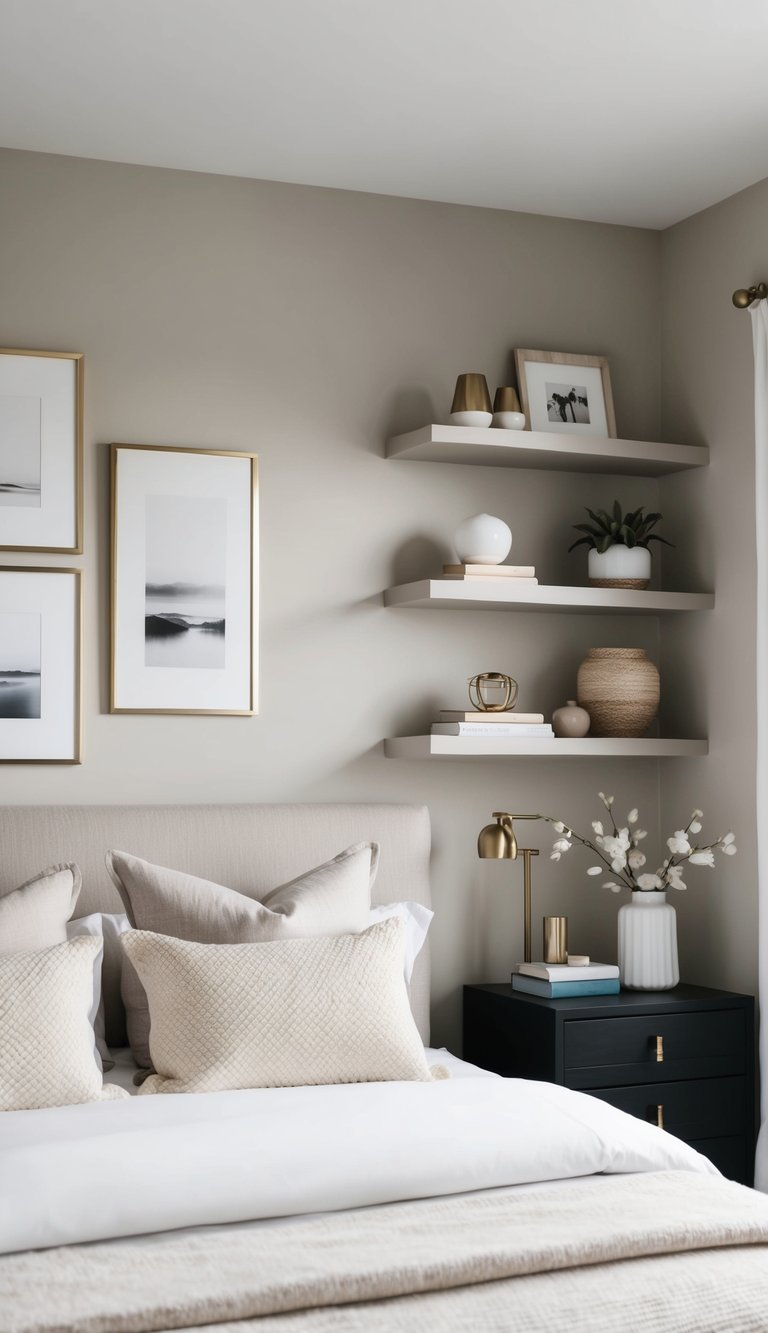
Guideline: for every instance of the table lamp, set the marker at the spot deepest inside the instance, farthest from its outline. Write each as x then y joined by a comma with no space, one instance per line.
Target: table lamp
497,842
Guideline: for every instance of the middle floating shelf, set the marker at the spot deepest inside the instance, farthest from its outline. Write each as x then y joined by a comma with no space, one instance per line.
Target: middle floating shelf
487,595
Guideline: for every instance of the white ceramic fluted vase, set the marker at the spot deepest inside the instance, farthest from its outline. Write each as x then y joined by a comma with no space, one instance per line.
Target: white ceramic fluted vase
648,942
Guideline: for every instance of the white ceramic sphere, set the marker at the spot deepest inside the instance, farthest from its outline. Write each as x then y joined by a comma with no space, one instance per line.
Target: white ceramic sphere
509,420
471,418
483,540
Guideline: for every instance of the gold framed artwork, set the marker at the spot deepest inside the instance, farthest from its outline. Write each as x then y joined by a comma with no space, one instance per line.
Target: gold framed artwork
184,580
40,665
41,451
565,392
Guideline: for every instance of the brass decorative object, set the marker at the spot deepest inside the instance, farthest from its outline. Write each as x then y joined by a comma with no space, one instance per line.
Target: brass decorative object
555,939
471,393
746,295
506,400
497,842
492,680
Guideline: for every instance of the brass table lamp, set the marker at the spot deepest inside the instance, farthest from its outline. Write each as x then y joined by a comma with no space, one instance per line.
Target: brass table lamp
497,842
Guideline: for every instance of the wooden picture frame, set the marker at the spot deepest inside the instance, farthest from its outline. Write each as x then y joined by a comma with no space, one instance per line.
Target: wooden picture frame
184,615
41,450
41,653
569,402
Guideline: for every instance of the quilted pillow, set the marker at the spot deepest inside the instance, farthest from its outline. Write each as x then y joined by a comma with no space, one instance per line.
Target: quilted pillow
332,899
46,1038
35,915
284,1014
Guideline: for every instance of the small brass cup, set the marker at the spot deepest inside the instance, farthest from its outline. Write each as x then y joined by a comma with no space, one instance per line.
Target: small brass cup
506,400
471,394
555,939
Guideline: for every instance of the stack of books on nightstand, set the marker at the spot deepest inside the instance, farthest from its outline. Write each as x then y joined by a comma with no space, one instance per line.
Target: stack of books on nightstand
557,981
521,574
453,722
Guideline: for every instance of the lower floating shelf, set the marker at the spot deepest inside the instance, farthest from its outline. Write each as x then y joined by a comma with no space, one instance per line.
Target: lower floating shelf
618,747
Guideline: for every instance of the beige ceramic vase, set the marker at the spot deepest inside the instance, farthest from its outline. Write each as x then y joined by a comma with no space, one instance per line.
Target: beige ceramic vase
619,687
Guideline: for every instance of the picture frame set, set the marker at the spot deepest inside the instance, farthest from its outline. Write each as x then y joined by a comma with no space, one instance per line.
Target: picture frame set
565,392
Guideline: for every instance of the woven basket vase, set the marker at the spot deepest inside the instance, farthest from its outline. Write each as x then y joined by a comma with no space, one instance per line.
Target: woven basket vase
619,687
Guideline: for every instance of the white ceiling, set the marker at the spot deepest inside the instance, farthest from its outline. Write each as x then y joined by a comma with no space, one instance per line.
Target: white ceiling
629,111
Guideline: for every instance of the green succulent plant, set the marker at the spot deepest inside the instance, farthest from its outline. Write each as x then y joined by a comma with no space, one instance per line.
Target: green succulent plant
617,529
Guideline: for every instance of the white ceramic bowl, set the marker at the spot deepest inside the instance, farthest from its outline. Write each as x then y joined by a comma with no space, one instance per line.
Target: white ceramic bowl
509,420
471,418
483,540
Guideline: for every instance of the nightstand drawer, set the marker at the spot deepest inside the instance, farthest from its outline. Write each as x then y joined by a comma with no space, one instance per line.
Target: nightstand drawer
695,1109
657,1048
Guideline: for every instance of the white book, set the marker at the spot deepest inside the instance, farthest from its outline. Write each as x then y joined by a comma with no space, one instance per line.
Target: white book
497,729
562,972
482,718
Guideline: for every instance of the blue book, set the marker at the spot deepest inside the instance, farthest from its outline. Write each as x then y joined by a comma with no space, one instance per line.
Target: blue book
559,990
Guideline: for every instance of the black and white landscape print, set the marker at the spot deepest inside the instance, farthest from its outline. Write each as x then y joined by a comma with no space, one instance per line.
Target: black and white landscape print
568,403
184,618
19,664
20,449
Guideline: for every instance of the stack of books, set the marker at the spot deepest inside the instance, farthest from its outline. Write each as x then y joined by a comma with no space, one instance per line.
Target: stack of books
557,981
522,574
502,726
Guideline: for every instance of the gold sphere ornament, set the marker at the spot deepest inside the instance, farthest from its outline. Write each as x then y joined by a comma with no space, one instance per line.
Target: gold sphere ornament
492,682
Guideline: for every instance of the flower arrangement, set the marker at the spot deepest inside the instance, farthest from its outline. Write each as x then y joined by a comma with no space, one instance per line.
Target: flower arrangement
619,850
616,529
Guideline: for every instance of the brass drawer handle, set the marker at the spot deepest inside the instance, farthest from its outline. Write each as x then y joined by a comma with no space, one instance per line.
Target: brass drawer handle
660,1117
659,1050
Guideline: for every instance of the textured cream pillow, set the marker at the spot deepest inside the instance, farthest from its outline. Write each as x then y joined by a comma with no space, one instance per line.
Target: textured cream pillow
35,915
284,1014
332,899
46,1038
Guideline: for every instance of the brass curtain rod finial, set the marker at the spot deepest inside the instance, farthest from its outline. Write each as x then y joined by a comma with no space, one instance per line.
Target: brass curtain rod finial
746,295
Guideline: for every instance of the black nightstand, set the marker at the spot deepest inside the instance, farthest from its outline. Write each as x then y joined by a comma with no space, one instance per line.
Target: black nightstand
681,1058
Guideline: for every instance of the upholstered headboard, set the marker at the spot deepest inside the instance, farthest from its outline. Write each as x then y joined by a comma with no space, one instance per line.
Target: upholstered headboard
251,848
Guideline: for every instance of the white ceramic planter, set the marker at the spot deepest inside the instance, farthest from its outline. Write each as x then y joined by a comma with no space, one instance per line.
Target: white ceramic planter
509,420
483,540
468,418
648,943
620,564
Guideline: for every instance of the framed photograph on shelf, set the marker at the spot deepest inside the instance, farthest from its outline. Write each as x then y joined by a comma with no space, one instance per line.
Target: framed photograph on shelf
566,393
40,665
184,580
41,451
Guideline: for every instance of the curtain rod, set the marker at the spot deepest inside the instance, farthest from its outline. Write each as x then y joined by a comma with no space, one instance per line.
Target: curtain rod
746,295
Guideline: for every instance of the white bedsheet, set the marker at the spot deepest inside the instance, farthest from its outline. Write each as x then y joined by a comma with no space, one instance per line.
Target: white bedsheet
158,1163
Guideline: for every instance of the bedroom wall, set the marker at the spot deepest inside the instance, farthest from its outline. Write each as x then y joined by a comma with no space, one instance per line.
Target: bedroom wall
308,324
708,661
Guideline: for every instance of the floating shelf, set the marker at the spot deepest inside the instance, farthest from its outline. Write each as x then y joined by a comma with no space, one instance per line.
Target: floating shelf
488,595
548,450
480,747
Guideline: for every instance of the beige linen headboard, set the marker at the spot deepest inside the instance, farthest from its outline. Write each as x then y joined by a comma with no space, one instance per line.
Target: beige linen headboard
251,848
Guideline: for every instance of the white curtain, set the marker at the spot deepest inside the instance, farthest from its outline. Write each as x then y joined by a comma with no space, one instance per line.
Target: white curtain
759,314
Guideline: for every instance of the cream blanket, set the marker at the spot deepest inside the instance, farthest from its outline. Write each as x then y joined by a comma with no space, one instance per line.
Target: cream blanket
493,1260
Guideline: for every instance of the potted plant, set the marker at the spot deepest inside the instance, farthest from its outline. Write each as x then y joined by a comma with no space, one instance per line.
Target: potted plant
619,555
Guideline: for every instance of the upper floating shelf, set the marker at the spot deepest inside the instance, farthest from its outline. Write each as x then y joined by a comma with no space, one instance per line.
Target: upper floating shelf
500,594
482,747
547,450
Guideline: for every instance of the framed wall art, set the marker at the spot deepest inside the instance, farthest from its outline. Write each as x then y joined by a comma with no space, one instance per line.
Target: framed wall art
184,580
41,451
40,665
565,392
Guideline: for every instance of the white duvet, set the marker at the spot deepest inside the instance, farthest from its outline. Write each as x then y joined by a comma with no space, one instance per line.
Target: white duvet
147,1164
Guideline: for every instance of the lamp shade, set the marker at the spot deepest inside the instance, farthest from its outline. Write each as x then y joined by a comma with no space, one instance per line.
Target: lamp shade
497,842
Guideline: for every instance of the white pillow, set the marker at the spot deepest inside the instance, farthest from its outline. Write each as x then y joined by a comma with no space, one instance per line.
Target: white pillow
35,915
106,927
416,919
46,1038
284,1014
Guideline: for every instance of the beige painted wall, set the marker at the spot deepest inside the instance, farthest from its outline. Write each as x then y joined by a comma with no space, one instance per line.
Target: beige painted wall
308,324
708,662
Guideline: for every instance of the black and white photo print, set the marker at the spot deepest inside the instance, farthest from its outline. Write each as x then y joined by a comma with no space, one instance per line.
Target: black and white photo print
568,403
20,450
19,664
186,546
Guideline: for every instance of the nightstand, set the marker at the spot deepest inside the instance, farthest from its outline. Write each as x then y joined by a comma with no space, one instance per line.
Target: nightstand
683,1059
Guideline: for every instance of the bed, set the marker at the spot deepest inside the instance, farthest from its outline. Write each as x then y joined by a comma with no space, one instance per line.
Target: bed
470,1203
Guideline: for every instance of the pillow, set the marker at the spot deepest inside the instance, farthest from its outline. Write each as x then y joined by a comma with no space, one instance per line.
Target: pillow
332,899
284,1014
107,927
416,919
46,1039
35,915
